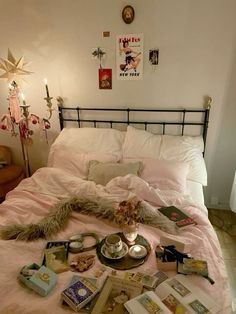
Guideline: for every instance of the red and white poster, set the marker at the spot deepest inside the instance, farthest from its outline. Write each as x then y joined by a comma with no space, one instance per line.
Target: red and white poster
129,57
105,78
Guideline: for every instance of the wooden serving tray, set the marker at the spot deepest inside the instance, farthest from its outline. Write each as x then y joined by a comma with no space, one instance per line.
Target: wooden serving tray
125,262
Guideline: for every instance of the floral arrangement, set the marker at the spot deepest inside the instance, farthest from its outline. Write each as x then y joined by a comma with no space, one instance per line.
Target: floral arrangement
127,212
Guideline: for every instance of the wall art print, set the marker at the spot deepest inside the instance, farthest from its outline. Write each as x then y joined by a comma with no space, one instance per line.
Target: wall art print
154,56
129,57
105,78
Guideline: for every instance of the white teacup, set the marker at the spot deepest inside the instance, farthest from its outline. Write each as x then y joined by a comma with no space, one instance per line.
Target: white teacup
113,243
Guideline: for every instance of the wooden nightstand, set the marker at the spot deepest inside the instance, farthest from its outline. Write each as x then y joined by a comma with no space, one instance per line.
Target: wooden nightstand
10,175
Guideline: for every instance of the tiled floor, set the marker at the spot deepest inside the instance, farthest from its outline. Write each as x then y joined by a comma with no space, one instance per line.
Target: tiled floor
224,222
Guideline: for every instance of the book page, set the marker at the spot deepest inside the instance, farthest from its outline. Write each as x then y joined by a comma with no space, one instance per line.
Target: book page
147,303
180,290
114,294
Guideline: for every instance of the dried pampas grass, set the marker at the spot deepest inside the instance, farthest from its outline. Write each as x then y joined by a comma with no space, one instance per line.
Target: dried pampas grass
58,218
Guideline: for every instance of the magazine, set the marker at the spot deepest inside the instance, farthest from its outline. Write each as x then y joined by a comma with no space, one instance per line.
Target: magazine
115,292
174,214
180,295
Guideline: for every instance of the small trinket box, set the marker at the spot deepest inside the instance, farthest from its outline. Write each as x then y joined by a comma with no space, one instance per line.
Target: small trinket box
40,279
162,262
182,246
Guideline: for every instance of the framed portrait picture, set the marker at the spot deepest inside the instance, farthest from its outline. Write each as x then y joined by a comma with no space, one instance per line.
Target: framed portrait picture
128,14
105,78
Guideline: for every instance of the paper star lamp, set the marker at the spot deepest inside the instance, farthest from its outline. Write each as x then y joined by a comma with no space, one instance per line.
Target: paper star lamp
13,68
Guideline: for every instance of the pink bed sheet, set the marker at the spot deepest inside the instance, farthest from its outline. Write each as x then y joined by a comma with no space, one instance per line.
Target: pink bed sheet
34,198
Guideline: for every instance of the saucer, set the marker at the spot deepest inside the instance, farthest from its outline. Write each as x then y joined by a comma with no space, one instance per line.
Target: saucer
116,255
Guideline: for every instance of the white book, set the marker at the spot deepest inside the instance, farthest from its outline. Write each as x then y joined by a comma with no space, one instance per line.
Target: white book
146,303
180,294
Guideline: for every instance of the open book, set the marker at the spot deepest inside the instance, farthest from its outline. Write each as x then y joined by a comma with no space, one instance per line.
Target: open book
175,295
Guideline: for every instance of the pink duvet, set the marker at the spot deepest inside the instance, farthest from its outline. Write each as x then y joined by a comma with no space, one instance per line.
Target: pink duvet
34,198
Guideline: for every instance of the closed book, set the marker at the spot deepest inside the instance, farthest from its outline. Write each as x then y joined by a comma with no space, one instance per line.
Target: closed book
177,216
89,305
146,303
195,266
148,281
80,293
51,244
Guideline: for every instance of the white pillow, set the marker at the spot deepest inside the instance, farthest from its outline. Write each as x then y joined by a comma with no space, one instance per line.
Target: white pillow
75,163
163,174
140,143
90,140
186,149
143,144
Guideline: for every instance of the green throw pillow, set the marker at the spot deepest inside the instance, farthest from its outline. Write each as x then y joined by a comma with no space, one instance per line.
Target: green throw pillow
102,173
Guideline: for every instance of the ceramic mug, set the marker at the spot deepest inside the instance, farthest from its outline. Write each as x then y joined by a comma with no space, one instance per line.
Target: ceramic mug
113,243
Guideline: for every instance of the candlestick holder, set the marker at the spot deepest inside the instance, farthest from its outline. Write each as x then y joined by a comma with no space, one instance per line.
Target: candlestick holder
19,117
25,110
49,105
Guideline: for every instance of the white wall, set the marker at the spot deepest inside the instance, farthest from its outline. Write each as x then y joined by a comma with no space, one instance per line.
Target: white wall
195,38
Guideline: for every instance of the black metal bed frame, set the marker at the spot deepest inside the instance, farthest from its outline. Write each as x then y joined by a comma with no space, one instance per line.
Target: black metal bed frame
79,110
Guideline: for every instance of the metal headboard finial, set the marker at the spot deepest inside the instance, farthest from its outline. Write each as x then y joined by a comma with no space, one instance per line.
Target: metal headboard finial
60,101
208,101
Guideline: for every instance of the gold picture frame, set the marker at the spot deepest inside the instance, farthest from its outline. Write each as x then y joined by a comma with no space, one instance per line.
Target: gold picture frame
128,14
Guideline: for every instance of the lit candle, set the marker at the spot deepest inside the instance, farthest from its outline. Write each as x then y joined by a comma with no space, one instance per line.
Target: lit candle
46,85
23,98
137,248
137,251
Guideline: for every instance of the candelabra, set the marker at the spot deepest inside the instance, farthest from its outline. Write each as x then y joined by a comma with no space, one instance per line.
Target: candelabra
19,118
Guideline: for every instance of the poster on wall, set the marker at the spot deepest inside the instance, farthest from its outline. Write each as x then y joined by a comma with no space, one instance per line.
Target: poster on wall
105,78
129,57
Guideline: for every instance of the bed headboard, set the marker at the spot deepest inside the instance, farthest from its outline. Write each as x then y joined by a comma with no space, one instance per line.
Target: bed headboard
112,117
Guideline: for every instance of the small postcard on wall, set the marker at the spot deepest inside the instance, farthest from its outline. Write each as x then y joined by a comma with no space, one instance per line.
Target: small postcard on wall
105,78
154,56
129,57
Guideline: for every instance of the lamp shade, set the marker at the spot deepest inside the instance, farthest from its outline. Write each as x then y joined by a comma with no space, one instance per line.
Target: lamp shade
233,195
